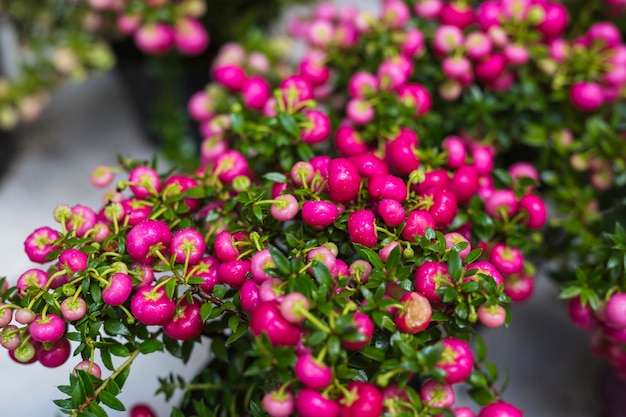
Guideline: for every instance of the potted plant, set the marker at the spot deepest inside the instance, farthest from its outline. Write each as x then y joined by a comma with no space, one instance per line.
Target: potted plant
352,216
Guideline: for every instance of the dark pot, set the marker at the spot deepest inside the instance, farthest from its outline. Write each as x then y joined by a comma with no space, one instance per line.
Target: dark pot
159,88
8,149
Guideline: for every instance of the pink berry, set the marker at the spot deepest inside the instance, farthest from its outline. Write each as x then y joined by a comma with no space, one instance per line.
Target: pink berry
186,322
119,289
312,373
437,394
500,409
415,314
429,277
266,319
40,243
362,227
47,329
457,360
586,96
491,316
146,238
151,305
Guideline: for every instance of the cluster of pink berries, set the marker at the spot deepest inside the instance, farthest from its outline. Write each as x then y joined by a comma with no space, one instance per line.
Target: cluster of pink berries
325,227
486,44
607,325
156,26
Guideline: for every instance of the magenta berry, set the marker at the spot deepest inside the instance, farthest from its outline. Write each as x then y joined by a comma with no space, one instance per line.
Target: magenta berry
348,141
367,402
491,316
456,151
535,209
362,227
388,186
55,355
312,403
312,373
224,247
47,329
249,295
457,360
73,309
292,305
40,243
400,153
187,245
118,290
369,165
507,259
266,319
501,204
186,323
344,180
429,277
437,394
391,211
500,409
155,38
324,255
318,128
81,220
319,214
417,221
444,208
259,263
278,404
176,185
415,314
464,184
233,273
271,289
33,277
586,96
284,208
484,268
72,261
581,315
519,287
144,181
6,315
231,76
229,165
614,311
151,305
146,238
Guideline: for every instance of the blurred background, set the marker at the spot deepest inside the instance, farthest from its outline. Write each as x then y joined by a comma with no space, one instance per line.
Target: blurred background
546,358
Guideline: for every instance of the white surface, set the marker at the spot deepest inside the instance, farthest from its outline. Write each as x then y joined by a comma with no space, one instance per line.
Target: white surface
84,126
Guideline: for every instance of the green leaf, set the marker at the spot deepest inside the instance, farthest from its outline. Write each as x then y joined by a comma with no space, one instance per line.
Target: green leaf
95,410
111,401
177,413
122,377
205,311
116,328
237,334
275,177
288,122
455,266
281,261
394,258
373,353
482,396
150,346
78,391
170,288
370,256
570,291
321,273
195,281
